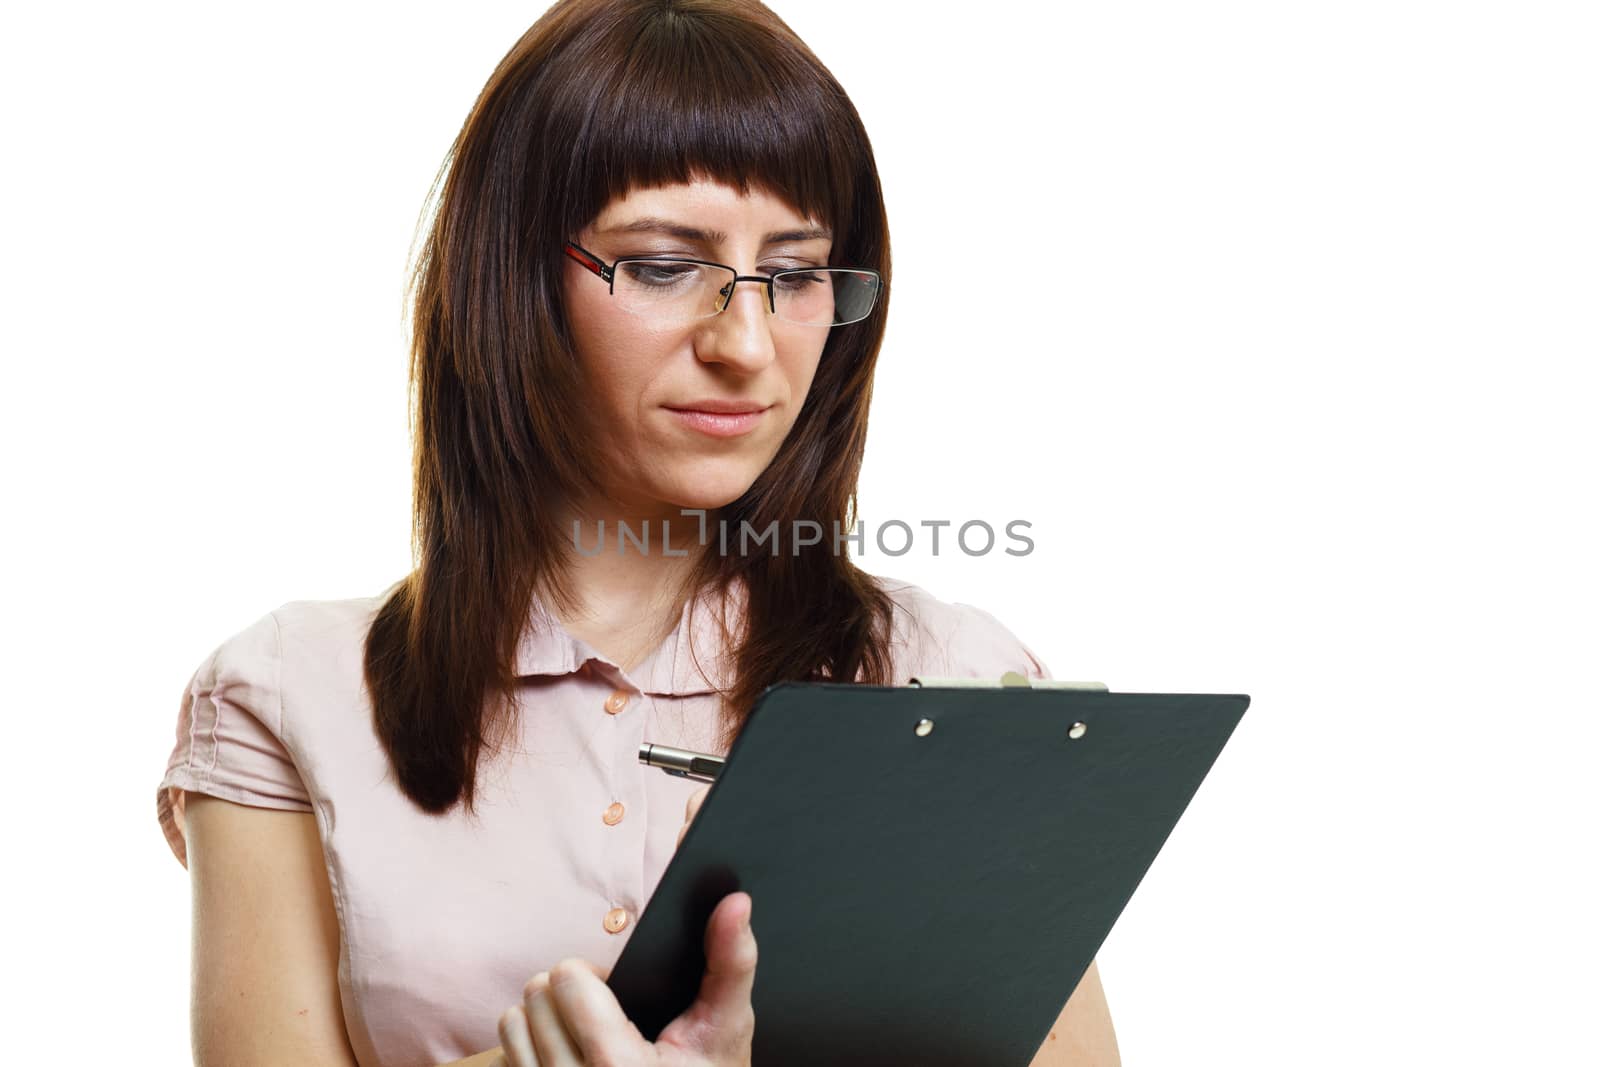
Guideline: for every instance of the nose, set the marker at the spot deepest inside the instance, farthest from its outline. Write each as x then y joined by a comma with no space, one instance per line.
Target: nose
741,334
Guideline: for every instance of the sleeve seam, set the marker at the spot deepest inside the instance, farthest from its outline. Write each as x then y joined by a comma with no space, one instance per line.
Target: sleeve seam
952,643
277,681
194,726
1031,664
279,732
210,770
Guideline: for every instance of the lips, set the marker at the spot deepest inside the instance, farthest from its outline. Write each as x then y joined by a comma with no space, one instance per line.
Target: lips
720,423
720,407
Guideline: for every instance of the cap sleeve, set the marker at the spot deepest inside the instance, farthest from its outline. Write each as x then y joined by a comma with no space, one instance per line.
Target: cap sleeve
983,647
229,740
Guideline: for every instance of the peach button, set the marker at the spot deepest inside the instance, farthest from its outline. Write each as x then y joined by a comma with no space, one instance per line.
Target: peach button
613,815
616,919
616,701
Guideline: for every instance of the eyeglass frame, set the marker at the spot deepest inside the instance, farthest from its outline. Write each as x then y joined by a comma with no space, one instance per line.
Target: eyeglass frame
607,273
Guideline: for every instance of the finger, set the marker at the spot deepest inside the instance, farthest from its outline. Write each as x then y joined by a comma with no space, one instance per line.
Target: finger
724,1000
602,973
697,798
692,809
551,1039
516,1040
601,1030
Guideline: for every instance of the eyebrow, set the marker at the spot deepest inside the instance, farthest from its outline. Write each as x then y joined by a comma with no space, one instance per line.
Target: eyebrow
653,224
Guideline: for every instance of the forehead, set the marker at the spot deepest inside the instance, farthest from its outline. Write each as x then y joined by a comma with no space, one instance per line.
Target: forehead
705,210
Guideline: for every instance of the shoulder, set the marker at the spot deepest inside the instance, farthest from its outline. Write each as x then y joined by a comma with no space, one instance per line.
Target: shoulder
324,628
275,716
946,638
324,624
299,667
322,646
318,633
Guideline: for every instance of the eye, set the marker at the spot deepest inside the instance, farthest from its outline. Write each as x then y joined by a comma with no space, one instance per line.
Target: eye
800,281
659,275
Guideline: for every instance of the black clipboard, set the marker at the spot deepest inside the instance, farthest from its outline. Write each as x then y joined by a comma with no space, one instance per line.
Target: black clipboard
932,869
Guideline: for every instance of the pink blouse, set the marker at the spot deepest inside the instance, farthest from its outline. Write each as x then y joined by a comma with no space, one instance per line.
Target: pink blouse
442,919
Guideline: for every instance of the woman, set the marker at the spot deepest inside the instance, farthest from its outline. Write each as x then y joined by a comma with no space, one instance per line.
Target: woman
397,808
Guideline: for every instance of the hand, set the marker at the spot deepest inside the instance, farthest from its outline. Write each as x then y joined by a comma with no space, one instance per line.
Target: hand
569,1017
696,798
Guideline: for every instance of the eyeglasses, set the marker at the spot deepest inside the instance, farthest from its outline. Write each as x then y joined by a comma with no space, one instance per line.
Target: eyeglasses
669,290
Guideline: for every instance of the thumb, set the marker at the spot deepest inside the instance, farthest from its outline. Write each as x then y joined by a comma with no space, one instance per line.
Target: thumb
696,799
724,1002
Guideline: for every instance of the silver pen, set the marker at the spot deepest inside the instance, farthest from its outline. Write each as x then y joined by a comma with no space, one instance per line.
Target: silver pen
681,762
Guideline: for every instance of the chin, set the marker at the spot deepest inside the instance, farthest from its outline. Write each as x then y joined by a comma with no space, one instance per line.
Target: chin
705,500
709,489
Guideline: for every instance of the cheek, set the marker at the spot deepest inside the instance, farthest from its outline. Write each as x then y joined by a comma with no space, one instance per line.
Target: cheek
801,370
587,300
611,349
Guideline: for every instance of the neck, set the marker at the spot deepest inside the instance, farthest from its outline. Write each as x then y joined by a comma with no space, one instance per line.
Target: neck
628,579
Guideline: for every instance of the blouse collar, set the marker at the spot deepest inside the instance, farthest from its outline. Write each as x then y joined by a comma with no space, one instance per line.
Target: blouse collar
691,660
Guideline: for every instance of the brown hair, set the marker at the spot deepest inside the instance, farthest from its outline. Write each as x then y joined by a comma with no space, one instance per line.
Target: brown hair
597,98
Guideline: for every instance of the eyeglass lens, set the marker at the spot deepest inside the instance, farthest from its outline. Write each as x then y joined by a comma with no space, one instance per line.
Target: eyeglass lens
681,291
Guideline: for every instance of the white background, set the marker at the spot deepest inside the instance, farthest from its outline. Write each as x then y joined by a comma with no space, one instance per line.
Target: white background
1277,321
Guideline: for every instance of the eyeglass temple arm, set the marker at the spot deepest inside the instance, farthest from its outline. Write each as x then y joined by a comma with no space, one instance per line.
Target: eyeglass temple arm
589,260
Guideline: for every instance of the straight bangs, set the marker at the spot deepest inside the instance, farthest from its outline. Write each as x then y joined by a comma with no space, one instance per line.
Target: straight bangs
718,98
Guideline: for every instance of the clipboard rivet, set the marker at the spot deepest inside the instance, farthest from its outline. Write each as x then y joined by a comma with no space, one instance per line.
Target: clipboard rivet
924,727
1078,730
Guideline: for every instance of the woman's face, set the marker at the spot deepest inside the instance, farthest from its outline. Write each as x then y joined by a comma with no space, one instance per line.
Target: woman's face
642,376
